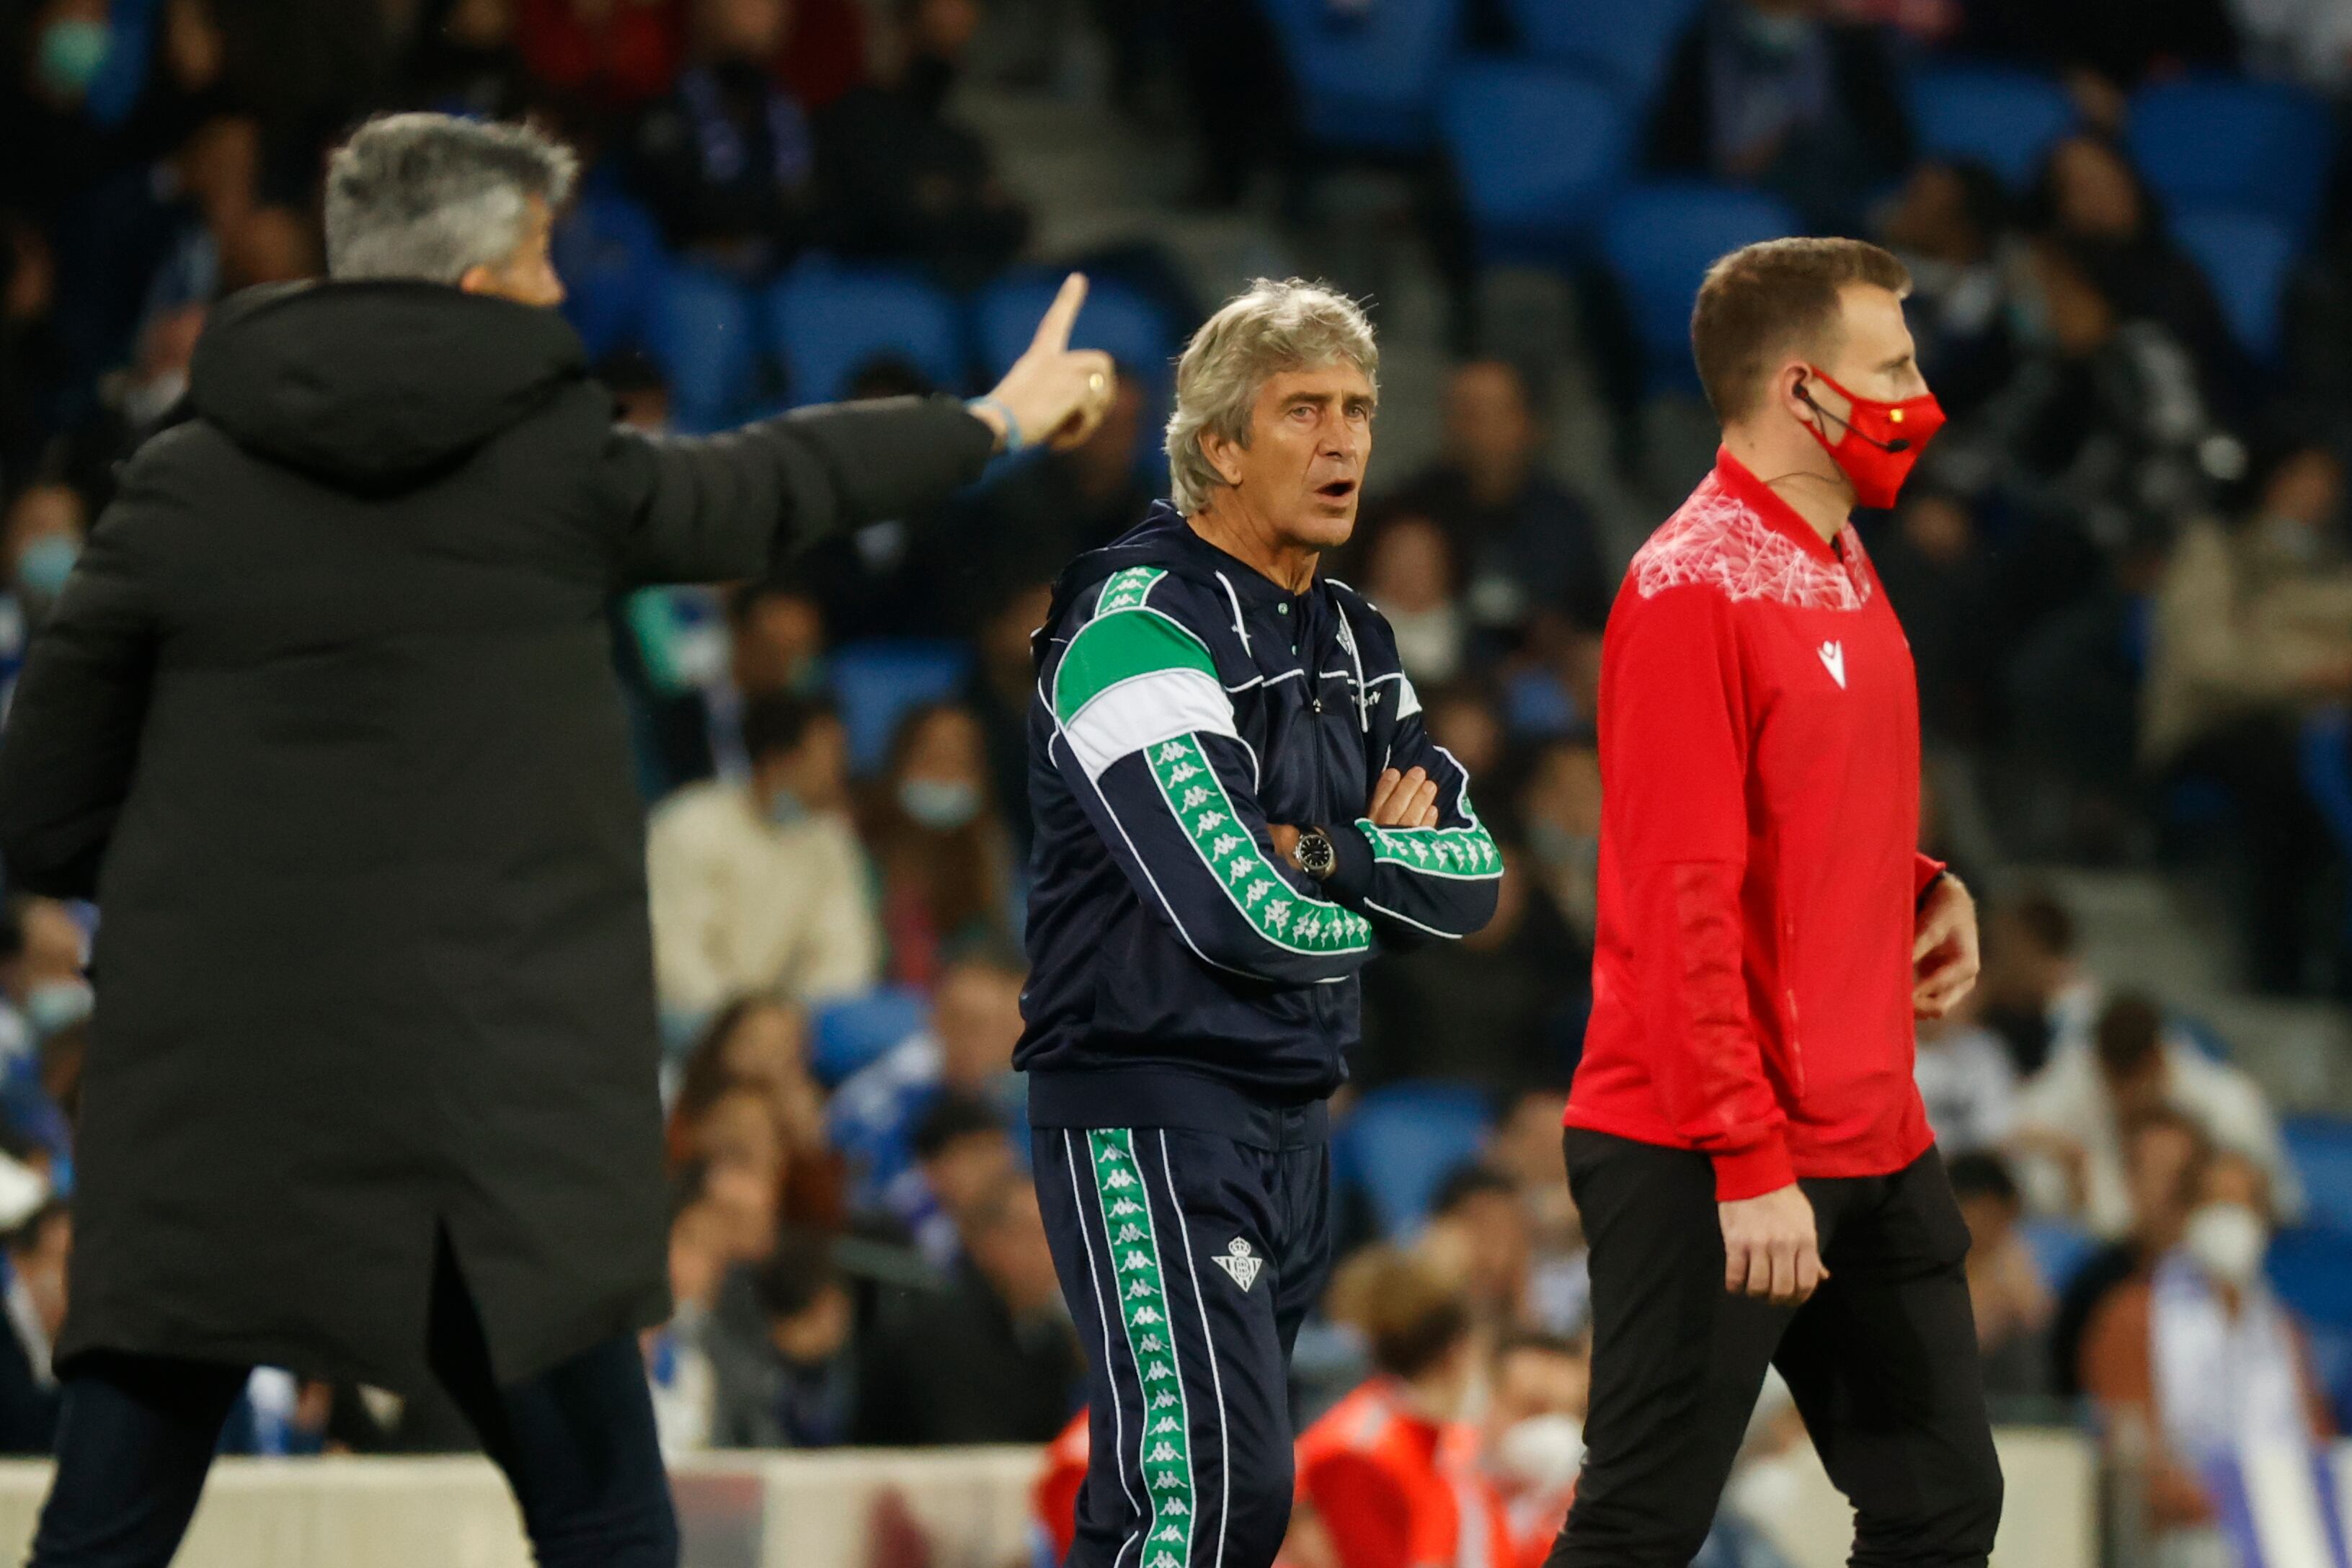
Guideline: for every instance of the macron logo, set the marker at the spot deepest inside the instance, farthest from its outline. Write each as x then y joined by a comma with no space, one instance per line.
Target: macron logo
1834,660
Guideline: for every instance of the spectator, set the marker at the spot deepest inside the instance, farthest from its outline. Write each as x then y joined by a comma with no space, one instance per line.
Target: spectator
1939,577
727,162
1532,1436
47,523
1560,806
961,1150
2071,1115
1526,544
1002,684
991,1359
2200,1359
760,887
903,180
1950,224
1967,1083
1054,1496
2011,1304
466,60
42,987
1462,719
1525,1145
1768,92
2034,992
678,1365
1410,573
38,1248
2252,630
938,844
779,638
1480,1235
784,1354
967,1051
746,1107
2164,1152
1027,525
608,55
1375,1477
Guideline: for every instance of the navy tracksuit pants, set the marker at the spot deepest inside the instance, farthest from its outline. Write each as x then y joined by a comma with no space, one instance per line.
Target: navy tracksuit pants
1188,1259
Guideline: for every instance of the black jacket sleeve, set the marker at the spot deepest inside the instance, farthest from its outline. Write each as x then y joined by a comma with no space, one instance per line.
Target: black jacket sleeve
72,738
714,507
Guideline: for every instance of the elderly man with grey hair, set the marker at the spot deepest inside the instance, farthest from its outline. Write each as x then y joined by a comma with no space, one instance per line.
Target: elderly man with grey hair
1237,809
325,720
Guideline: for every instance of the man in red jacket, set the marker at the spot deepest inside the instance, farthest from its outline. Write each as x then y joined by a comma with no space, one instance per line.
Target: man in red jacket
1746,1147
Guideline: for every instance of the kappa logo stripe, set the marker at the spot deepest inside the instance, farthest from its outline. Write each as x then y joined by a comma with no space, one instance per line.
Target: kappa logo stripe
1163,1454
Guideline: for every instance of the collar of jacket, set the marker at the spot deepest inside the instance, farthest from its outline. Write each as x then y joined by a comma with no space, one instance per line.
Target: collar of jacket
1764,501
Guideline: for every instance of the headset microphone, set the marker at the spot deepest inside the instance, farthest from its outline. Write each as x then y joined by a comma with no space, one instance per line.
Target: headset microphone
1890,447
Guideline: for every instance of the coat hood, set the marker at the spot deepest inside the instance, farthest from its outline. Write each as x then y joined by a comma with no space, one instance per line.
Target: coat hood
375,385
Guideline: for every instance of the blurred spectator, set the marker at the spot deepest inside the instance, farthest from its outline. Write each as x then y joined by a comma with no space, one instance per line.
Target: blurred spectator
902,180
1054,1496
134,401
467,61
1462,719
1532,1439
2164,1152
1411,573
960,1150
33,366
993,1358
793,1382
1950,223
2071,1114
760,886
1939,577
2309,41
2033,991
2253,629
1003,682
2106,47
1967,1083
727,162
2200,1359
1479,1234
779,630
1378,1476
1525,545
1769,92
46,526
678,1365
640,391
2011,1304
938,844
749,1112
42,987
1027,525
38,1249
966,1053
1525,1146
1560,811
606,53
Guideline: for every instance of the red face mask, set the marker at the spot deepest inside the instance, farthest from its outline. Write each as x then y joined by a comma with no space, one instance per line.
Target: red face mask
1881,440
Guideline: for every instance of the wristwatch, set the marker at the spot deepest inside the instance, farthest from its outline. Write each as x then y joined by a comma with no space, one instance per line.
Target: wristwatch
1315,854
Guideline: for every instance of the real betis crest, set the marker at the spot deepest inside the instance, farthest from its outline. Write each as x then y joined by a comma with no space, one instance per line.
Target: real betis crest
1240,1262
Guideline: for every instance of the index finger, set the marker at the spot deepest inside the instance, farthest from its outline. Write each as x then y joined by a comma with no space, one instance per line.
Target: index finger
1053,331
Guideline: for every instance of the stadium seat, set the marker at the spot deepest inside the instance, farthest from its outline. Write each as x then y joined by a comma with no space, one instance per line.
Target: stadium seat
874,682
2321,1148
1403,1139
1999,117
831,321
2246,257
1367,76
1537,149
2219,142
608,251
1659,240
846,1035
1117,320
2060,1249
1629,46
700,332
2311,1269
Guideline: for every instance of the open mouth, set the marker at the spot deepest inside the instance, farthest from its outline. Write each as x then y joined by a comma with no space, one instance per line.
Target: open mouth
1337,490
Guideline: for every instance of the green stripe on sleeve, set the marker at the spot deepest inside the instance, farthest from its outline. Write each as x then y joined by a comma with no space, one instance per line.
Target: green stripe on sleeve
1112,648
1277,912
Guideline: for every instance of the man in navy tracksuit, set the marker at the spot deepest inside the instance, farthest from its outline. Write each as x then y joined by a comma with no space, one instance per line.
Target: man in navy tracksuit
1238,807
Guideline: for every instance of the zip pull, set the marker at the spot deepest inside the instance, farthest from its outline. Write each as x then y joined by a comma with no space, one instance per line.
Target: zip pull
1318,704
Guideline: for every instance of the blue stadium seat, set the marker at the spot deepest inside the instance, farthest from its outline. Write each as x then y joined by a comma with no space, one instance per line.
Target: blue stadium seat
700,329
1659,240
1998,116
608,251
1403,1139
2321,1148
2212,141
2311,1269
831,321
1630,45
1537,149
846,1035
875,681
1117,320
2246,257
1367,76
2060,1249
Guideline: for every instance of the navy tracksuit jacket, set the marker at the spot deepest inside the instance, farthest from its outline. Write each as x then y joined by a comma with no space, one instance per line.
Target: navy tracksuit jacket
1192,996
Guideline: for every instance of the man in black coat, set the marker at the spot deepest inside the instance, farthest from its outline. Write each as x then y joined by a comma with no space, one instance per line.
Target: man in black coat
326,721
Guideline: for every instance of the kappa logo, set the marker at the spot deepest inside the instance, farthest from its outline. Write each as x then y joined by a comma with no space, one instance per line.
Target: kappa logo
1241,1263
1834,660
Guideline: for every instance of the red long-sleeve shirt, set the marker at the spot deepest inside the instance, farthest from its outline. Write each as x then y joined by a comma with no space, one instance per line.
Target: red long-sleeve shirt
1759,758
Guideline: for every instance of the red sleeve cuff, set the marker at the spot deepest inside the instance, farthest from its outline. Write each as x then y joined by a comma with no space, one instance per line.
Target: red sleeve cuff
1925,870
1753,1171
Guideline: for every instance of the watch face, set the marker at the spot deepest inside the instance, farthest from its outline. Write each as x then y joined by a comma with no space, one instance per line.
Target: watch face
1316,855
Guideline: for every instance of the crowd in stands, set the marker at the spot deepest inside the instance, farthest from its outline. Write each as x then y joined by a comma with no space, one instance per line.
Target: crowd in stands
2123,569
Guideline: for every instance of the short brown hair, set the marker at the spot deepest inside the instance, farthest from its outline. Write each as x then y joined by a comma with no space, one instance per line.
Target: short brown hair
1410,1313
1764,298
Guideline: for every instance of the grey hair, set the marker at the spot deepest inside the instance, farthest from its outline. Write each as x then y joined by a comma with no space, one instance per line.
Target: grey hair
431,197
1256,335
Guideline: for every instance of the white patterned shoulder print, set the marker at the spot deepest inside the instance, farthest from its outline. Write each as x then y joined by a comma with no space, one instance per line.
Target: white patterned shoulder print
1716,539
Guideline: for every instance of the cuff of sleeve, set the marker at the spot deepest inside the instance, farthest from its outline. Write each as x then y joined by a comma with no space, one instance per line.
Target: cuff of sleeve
1924,874
1352,871
1753,1171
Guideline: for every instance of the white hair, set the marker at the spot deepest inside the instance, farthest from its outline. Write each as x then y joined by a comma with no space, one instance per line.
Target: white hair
1256,335
431,197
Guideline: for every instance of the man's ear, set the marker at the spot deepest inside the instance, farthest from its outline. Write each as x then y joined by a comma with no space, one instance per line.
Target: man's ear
1224,456
480,280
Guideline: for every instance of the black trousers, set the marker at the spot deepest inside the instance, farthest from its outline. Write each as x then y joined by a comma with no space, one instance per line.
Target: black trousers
577,1444
1882,1360
1189,1261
